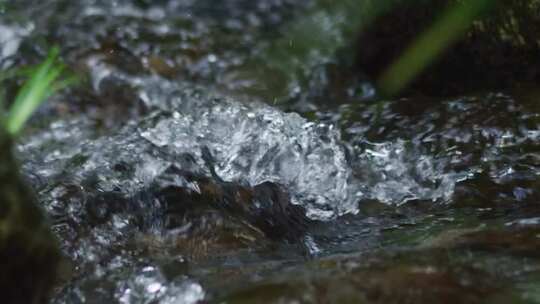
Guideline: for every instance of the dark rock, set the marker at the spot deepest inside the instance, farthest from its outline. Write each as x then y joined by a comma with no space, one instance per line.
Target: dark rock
28,250
499,51
266,207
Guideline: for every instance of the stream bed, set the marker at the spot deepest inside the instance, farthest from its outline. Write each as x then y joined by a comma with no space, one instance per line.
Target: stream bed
168,177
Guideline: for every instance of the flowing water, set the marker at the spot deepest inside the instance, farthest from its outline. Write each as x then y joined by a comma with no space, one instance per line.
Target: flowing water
168,178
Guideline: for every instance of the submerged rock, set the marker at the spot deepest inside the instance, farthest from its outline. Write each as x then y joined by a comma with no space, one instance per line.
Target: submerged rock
265,207
27,248
407,277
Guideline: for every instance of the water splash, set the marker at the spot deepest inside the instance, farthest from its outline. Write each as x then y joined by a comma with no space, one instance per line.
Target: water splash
11,37
397,172
150,286
254,143
447,143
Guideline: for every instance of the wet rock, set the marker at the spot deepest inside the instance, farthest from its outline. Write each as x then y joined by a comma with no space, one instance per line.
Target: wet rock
516,241
399,278
265,207
193,40
499,51
27,248
274,212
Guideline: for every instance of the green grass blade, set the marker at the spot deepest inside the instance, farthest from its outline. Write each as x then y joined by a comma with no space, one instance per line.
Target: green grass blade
447,29
42,84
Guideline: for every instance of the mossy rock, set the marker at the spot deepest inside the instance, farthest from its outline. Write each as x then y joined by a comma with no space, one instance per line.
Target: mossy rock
28,250
499,51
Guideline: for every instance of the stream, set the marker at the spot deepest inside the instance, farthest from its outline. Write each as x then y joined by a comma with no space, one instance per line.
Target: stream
169,176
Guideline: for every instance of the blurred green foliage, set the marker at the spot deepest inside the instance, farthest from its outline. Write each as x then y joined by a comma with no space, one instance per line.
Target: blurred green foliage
43,80
329,31
465,44
449,27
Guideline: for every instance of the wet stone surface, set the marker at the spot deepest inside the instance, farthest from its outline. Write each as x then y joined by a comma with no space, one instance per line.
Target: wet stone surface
164,187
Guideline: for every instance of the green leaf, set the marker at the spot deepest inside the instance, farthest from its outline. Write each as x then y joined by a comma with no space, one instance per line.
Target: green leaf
454,22
43,82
